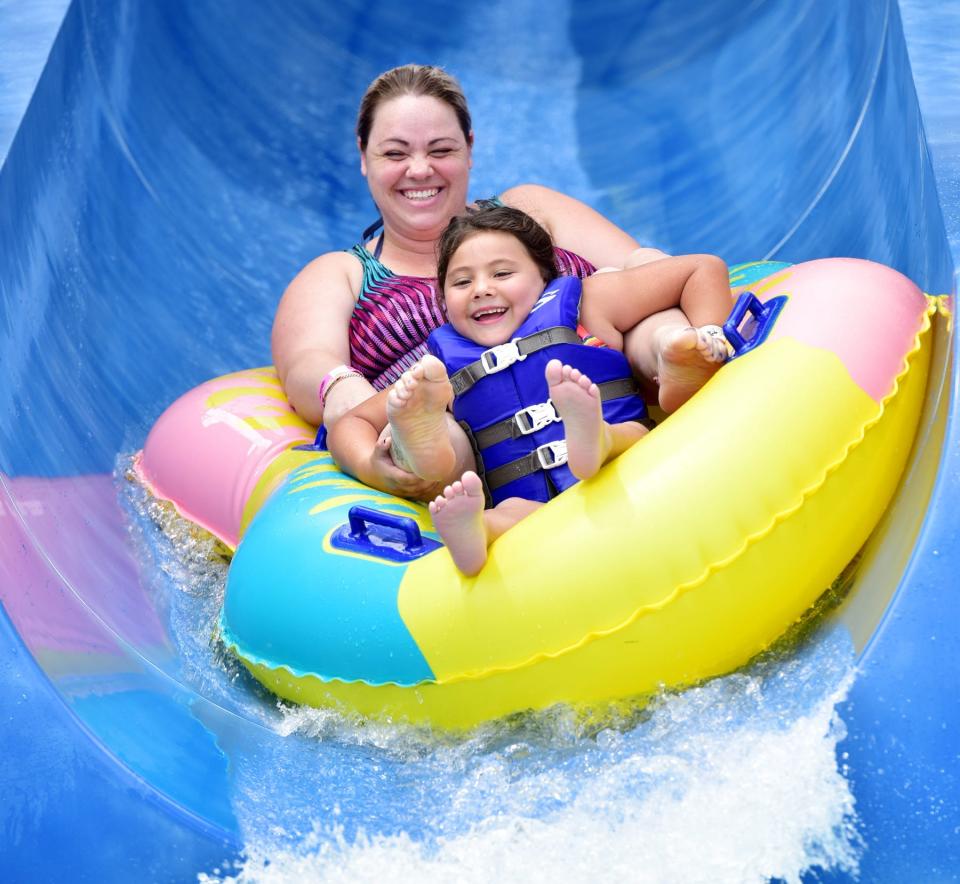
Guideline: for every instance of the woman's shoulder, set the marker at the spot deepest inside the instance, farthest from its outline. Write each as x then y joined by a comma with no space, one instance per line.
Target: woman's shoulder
530,198
549,207
340,269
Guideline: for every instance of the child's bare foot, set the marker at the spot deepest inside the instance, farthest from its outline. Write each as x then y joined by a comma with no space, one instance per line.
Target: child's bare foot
416,408
686,359
577,401
458,517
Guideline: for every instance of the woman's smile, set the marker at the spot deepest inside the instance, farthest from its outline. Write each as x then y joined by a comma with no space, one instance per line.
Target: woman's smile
421,195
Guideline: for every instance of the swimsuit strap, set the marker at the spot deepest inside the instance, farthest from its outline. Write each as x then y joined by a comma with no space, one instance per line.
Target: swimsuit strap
370,231
378,225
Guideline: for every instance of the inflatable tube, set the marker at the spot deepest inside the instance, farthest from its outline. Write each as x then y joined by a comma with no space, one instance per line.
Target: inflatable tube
681,560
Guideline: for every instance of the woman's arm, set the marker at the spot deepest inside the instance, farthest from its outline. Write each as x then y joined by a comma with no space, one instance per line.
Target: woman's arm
643,255
310,337
613,303
352,440
574,226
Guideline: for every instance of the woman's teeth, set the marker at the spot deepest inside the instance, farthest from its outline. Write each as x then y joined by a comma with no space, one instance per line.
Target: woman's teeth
421,194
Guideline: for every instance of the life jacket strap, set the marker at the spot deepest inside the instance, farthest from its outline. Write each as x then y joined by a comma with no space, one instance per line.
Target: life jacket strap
504,355
536,417
546,457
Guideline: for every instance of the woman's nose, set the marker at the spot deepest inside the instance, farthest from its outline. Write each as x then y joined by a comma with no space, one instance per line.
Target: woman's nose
419,167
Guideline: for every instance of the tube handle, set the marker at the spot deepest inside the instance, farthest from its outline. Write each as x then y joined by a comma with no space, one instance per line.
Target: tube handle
764,315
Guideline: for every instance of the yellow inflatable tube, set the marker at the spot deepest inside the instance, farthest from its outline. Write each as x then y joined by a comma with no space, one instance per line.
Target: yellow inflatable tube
685,557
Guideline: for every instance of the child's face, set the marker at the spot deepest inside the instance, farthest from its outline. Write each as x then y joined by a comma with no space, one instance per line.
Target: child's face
492,284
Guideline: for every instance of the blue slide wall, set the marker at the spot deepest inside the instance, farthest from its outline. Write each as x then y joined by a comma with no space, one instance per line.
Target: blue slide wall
169,168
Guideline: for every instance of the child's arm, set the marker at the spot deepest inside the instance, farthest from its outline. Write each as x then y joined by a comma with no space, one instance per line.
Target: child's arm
614,303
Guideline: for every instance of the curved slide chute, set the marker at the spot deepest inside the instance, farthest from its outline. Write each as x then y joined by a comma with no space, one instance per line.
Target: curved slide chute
168,167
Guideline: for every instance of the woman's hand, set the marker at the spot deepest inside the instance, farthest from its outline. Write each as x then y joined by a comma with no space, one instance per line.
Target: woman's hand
382,473
360,443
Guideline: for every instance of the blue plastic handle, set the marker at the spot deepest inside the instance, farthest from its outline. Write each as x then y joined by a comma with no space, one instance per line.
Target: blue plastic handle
362,525
361,517
765,315
319,444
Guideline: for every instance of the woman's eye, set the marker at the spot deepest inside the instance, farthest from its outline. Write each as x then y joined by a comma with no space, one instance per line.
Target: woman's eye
441,152
394,155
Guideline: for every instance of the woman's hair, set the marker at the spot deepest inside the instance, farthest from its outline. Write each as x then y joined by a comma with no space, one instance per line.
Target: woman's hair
502,219
412,79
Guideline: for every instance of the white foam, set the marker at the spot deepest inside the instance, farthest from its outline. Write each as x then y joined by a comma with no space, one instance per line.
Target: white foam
733,781
716,785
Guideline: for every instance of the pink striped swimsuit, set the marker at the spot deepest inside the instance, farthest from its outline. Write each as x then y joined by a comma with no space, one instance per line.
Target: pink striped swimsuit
395,315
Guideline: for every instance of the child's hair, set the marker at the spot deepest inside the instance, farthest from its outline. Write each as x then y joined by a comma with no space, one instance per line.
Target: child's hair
501,219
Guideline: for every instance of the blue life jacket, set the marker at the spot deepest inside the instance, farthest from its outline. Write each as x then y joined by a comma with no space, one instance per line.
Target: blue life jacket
501,395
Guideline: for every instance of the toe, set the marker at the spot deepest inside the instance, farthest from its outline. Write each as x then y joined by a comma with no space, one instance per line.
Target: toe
472,484
432,368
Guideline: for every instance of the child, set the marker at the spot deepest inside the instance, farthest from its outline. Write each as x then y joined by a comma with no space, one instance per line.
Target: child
543,409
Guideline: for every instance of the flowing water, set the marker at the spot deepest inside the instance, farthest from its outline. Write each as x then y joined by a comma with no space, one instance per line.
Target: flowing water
735,780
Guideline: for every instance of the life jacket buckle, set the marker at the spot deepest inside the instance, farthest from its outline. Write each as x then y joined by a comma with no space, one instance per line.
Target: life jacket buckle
552,454
536,417
501,356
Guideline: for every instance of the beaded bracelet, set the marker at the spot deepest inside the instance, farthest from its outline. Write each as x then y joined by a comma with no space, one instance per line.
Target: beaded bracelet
331,378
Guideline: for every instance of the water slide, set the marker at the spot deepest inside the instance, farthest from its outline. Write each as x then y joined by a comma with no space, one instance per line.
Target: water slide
167,168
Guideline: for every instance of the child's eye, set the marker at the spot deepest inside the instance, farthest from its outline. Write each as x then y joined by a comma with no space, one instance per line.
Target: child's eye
460,283
502,274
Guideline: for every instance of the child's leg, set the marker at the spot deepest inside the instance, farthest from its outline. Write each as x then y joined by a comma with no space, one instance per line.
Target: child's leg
466,528
663,348
417,411
591,441
686,359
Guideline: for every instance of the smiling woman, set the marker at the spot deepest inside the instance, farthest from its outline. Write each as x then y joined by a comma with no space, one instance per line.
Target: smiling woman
544,406
352,321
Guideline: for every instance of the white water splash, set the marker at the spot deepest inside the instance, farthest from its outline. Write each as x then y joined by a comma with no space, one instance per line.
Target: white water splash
734,781
692,794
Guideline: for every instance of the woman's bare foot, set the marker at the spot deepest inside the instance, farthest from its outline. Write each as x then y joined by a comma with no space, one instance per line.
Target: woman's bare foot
458,517
416,408
686,359
577,401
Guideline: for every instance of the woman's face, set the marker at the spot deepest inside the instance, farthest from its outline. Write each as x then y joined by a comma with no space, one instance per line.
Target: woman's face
417,165
492,284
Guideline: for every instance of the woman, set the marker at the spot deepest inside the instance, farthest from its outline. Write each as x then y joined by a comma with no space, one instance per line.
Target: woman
352,321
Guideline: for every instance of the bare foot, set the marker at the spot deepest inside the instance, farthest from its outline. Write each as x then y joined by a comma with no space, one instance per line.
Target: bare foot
686,359
416,408
577,401
458,517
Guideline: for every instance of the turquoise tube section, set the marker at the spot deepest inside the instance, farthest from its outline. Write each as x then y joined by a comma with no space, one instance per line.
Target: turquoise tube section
320,610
